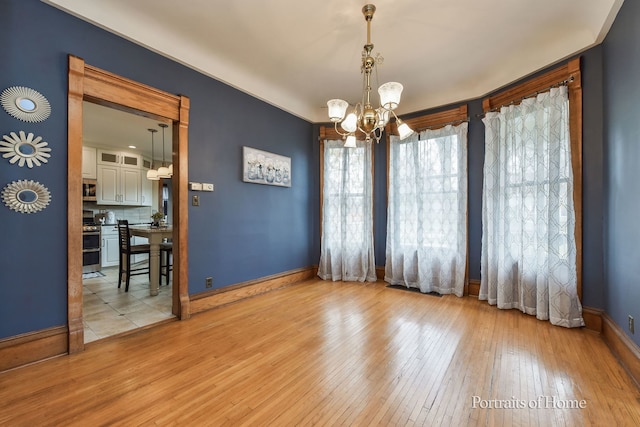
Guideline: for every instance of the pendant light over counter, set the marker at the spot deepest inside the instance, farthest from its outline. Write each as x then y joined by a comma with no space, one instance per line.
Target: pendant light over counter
152,174
164,171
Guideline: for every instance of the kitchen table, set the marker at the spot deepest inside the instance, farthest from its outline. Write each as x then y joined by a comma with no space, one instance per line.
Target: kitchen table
155,236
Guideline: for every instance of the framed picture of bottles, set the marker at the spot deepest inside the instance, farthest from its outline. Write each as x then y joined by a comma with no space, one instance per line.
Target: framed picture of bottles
262,167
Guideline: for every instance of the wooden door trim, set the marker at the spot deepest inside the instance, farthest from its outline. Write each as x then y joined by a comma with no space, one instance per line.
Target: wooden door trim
88,83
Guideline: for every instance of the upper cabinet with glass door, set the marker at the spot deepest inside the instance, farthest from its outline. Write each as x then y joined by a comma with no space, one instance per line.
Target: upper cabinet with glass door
120,158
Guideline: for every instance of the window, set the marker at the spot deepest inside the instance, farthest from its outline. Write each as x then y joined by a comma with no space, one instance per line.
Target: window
346,251
432,165
569,73
530,223
427,210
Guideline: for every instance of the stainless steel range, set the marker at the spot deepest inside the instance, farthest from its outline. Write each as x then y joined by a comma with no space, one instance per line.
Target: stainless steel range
90,243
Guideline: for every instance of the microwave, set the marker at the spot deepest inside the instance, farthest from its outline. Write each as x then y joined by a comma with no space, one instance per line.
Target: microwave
89,190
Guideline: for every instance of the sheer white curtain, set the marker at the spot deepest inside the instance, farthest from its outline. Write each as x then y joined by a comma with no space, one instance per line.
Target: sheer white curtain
528,218
427,211
346,251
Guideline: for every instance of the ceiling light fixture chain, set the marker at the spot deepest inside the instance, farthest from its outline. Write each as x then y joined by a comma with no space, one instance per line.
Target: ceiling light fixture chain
364,117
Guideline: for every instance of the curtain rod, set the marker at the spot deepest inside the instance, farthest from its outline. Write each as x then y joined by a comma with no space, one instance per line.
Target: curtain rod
536,93
437,126
441,125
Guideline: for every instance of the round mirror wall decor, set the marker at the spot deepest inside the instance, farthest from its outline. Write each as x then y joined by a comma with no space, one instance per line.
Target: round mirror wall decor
24,149
26,196
25,104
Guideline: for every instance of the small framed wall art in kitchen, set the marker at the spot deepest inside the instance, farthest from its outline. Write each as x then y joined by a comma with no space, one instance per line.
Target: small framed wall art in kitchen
262,167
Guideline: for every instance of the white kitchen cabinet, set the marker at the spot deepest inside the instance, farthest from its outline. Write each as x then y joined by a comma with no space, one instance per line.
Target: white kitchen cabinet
146,164
89,163
119,186
111,247
120,158
110,250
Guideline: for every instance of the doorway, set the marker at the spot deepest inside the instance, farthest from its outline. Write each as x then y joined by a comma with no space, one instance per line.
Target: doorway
88,83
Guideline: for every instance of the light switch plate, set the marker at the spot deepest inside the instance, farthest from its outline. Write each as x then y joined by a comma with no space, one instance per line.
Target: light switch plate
207,187
195,186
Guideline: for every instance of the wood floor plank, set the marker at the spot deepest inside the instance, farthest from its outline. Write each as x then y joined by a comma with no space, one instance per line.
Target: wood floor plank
331,353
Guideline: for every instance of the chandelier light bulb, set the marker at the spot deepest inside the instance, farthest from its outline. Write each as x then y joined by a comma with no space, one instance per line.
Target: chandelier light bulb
350,141
390,95
350,123
337,109
404,130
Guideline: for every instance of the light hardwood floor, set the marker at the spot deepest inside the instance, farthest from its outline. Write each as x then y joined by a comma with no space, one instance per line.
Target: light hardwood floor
323,353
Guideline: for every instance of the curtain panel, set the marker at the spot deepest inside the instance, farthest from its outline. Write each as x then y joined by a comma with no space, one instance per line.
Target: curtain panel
346,251
528,257
427,211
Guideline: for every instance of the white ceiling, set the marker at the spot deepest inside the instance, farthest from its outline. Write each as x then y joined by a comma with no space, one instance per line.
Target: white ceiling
109,128
298,54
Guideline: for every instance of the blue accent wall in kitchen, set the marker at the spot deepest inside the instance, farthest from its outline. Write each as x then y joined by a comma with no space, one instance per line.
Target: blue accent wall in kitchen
621,53
239,232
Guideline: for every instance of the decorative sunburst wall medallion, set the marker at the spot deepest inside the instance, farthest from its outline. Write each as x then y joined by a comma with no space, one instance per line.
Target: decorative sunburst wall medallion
26,196
25,104
25,149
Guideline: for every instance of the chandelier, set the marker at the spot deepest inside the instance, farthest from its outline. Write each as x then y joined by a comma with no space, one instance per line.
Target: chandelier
364,117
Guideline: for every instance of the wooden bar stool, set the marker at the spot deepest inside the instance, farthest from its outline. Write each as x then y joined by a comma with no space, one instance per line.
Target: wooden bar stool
166,266
126,252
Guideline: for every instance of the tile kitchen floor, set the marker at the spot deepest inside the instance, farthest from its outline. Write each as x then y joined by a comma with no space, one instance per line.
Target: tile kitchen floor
110,311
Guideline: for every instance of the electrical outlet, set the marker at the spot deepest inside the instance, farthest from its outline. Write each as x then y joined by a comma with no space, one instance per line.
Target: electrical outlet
195,200
632,328
207,187
208,282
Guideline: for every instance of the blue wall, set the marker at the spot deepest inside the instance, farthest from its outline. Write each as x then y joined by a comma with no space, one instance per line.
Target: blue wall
240,231
245,231
622,171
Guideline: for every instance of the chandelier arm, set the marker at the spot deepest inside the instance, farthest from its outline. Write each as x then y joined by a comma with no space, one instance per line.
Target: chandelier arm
378,135
343,135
